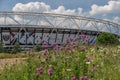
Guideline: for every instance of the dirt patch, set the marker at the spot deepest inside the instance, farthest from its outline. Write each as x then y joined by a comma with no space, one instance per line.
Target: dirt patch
10,61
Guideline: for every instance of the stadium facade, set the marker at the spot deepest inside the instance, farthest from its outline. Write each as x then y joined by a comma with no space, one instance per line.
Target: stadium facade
29,28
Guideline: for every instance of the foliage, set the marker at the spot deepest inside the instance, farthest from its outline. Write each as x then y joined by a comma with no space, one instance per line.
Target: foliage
1,47
37,48
16,48
71,63
107,38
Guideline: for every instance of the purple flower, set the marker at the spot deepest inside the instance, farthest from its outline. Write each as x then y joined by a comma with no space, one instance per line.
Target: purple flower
83,35
84,78
74,78
40,71
67,47
74,43
43,40
50,71
46,45
68,39
45,51
53,44
94,69
46,58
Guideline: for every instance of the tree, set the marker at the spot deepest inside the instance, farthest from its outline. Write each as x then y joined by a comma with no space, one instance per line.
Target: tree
1,47
107,38
16,48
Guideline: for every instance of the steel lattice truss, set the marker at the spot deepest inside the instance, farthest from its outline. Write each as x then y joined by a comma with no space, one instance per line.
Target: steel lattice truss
30,19
29,29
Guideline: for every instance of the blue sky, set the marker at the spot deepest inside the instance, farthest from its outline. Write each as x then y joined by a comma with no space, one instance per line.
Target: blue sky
104,9
7,5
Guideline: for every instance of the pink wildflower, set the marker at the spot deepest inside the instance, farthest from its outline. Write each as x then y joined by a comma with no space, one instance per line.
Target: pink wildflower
68,39
84,78
74,78
43,40
40,71
50,71
53,44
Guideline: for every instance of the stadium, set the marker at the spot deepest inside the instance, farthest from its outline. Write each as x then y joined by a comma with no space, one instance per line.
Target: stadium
30,28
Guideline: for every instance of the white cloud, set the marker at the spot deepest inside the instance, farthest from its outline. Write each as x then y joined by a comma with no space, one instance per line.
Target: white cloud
32,7
111,7
62,10
43,7
39,7
116,19
80,11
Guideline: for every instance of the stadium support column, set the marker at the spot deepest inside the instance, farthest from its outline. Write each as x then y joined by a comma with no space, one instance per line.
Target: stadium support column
56,35
42,34
10,35
63,35
26,36
1,36
69,32
18,34
49,37
34,36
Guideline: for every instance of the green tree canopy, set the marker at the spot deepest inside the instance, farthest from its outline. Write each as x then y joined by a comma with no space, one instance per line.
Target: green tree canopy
107,38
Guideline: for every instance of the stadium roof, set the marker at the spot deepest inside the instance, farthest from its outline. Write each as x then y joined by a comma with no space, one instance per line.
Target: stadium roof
50,20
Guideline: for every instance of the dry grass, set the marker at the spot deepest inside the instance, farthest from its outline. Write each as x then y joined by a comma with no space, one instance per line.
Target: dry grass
10,62
7,55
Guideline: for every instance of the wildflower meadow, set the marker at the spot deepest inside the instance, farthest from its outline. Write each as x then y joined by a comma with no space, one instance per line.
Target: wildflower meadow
71,61
68,62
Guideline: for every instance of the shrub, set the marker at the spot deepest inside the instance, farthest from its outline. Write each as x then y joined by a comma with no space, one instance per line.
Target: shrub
16,48
1,47
37,48
107,38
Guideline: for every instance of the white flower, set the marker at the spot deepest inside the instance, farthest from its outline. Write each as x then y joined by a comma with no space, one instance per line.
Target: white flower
119,46
87,62
68,69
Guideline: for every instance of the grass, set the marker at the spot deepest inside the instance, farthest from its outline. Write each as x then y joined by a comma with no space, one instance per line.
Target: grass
66,63
8,55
